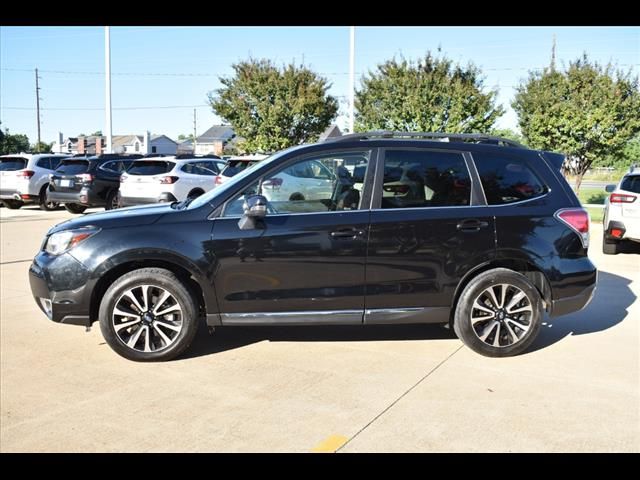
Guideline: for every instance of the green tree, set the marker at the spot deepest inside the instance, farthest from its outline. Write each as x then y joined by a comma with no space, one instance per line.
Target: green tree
510,134
432,95
97,133
629,155
13,143
586,112
41,147
182,137
274,108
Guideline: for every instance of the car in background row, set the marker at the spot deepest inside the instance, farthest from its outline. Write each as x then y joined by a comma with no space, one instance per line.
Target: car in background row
168,179
236,165
622,212
83,182
24,178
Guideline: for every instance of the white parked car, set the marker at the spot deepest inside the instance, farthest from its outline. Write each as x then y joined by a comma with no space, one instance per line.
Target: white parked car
310,180
24,178
622,212
167,179
235,165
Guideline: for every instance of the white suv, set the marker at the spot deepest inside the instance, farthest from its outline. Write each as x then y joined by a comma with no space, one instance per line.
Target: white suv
24,178
167,179
622,212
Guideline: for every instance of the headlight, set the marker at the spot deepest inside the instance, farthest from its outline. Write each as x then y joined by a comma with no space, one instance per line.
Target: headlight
60,242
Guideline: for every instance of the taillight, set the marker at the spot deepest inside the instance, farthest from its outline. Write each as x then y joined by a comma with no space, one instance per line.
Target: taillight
273,183
25,173
578,220
218,180
85,178
621,198
168,180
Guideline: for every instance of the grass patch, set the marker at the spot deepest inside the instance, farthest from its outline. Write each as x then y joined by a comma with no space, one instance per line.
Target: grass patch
596,214
592,195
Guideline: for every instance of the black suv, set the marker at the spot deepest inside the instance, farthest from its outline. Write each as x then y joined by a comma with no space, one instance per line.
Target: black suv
83,182
474,231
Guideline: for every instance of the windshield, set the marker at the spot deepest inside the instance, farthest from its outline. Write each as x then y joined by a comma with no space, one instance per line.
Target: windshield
12,163
150,167
231,184
72,167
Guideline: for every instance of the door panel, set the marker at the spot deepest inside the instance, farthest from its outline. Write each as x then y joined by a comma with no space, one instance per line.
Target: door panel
292,264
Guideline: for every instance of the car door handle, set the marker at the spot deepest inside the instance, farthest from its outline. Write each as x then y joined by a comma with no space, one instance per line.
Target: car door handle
347,233
471,225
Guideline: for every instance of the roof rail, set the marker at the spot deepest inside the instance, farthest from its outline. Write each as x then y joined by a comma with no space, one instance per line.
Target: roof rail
455,137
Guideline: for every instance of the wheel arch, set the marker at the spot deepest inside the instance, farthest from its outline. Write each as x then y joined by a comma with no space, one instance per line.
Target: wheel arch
198,190
534,274
192,279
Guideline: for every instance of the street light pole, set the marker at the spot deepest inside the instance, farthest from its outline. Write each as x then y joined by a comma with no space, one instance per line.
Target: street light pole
352,78
107,70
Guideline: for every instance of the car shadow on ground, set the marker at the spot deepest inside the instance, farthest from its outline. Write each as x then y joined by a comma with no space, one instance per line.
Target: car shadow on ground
229,338
608,308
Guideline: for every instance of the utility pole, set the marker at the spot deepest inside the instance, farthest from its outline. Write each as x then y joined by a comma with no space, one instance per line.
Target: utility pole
107,70
194,130
38,107
553,54
352,79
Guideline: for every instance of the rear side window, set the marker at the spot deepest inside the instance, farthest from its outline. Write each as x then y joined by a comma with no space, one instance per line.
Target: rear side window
154,167
631,184
423,178
9,164
114,166
44,162
507,179
236,166
72,167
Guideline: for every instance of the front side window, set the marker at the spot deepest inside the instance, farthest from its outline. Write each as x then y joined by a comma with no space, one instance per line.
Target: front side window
320,183
425,178
507,179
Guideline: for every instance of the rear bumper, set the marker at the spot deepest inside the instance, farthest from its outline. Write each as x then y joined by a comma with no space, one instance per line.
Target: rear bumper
61,288
618,230
17,195
165,197
576,303
83,197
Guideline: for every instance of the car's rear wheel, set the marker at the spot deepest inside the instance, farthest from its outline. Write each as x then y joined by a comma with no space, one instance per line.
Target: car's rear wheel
74,208
296,197
499,313
609,246
13,204
148,315
195,193
45,204
112,200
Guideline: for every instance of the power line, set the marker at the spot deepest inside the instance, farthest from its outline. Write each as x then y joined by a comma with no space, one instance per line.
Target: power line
114,108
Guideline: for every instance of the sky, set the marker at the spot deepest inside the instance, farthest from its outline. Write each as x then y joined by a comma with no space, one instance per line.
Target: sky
160,74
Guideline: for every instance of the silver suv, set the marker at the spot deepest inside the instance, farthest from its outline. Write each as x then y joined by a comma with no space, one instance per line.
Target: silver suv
24,178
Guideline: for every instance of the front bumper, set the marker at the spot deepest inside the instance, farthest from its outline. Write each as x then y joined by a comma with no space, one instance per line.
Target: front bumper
83,197
165,197
61,288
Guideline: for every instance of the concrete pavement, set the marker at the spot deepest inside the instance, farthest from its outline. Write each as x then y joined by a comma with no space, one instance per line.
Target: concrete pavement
353,389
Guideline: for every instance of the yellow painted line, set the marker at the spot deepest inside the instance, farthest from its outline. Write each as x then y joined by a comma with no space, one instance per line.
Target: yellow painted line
330,444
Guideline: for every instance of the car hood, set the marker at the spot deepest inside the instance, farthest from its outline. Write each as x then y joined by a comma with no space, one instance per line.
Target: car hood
122,217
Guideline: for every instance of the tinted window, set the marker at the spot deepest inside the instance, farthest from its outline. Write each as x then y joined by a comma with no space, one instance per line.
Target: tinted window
631,184
44,162
12,163
506,179
153,167
206,168
318,184
111,166
236,166
72,167
55,162
422,178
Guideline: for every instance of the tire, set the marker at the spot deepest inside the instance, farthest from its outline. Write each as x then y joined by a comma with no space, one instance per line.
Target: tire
195,193
74,208
168,335
296,197
609,247
13,204
514,332
112,200
44,204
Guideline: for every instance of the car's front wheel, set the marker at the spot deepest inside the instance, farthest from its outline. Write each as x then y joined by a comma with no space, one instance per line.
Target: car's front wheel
74,208
148,315
499,313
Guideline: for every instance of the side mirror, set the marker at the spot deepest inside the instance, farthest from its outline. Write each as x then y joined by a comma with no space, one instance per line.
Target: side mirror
610,188
255,209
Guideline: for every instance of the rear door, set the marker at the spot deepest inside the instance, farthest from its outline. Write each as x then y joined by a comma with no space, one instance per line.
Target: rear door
428,228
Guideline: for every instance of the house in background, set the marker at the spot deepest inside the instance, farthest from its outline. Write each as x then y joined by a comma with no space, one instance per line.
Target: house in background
214,140
331,132
95,144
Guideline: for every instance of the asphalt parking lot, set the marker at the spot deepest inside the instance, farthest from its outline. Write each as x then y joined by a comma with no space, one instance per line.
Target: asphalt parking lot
296,389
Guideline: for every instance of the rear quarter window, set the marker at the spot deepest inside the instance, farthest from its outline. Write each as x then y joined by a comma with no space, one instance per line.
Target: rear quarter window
73,167
507,179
